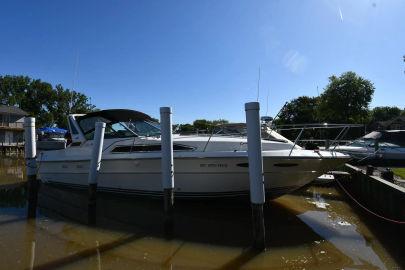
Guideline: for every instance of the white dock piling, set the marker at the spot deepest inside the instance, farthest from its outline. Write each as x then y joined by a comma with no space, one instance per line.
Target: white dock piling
256,180
30,154
94,168
167,162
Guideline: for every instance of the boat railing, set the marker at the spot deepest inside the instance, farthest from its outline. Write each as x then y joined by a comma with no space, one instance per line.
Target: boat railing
296,140
328,144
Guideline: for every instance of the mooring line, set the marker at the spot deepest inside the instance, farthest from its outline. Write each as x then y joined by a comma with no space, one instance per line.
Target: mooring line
368,210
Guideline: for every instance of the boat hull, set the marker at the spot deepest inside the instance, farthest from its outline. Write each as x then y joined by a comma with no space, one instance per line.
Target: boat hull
194,177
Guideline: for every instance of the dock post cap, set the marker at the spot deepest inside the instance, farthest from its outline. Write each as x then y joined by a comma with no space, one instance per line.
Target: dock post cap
29,121
252,106
165,109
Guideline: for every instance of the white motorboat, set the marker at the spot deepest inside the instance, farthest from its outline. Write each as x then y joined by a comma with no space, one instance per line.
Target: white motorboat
382,146
204,166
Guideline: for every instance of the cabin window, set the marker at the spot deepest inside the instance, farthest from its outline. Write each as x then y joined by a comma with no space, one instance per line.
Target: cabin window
148,148
117,130
88,124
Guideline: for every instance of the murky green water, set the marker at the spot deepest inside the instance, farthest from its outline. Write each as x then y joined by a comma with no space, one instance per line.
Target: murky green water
314,228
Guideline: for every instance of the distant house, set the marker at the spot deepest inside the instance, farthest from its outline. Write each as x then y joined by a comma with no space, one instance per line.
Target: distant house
11,125
397,123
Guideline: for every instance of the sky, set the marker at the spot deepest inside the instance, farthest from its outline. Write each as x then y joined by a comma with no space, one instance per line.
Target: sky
203,58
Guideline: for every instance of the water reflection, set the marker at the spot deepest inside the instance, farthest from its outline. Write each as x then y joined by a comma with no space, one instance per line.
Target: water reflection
343,236
314,228
11,169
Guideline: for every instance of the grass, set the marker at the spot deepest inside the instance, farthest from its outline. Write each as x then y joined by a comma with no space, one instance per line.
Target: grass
399,172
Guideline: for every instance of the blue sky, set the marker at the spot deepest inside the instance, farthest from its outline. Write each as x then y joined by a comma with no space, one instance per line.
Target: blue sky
202,57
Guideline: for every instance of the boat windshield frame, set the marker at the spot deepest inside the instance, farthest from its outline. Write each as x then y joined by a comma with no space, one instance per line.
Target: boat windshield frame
369,142
118,123
118,129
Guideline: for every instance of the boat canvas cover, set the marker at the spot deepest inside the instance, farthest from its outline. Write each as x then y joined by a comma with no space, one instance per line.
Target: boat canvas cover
118,115
52,130
392,136
372,135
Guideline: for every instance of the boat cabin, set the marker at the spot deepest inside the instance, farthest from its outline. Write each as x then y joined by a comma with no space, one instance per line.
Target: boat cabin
120,123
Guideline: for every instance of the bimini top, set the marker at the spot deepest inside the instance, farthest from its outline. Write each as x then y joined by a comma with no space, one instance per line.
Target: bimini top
118,115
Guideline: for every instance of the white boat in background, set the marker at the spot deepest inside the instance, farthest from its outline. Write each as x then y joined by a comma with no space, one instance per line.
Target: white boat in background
204,166
383,146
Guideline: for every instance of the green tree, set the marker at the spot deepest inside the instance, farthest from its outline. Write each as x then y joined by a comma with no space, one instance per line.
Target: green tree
384,113
219,122
346,99
13,89
301,110
49,105
186,128
202,124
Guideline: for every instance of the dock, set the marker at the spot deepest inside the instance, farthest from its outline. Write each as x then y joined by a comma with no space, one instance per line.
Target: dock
379,197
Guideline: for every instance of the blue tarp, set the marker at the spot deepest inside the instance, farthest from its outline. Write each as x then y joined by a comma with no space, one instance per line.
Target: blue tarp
52,130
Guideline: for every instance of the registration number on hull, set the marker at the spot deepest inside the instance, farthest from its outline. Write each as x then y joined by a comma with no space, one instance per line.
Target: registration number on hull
213,165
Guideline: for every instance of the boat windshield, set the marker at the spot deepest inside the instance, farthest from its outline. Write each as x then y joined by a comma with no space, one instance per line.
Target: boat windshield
112,129
119,129
371,143
144,128
363,143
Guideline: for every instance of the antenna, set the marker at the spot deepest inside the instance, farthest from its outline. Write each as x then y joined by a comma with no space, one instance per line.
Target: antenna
267,101
258,86
74,81
317,90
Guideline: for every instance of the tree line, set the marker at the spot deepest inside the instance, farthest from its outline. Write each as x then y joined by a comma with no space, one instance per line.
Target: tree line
50,105
345,99
201,125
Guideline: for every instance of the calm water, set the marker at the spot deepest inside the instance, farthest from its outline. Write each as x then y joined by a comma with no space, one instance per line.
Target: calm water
314,228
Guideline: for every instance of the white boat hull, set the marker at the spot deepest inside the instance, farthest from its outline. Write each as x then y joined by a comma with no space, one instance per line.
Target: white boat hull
194,176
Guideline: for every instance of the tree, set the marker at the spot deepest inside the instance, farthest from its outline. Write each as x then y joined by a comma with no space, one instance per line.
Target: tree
384,113
202,124
13,89
219,122
186,128
49,105
301,110
345,99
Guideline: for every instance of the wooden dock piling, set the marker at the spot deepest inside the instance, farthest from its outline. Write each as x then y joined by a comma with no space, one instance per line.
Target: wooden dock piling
167,165
256,180
95,164
31,165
